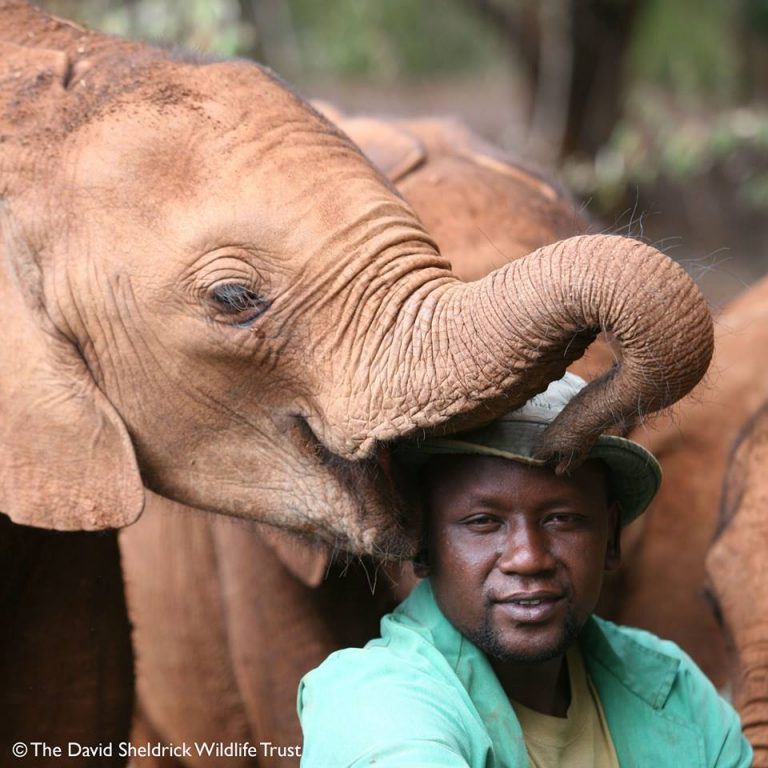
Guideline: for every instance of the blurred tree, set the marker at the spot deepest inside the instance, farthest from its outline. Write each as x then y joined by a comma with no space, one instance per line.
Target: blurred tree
753,34
383,40
574,54
688,48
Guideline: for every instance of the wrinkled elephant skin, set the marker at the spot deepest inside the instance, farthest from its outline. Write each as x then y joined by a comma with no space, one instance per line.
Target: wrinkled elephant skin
207,287
738,572
228,617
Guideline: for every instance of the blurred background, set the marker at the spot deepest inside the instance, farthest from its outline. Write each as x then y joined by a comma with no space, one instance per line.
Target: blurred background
654,113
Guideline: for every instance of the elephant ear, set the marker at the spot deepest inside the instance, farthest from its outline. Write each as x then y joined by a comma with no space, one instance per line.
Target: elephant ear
66,460
448,136
393,149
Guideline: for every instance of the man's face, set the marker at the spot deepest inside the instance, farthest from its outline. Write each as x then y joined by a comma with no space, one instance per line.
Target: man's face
516,554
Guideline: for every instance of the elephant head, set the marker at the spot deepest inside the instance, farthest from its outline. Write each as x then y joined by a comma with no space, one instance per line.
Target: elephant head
737,574
207,287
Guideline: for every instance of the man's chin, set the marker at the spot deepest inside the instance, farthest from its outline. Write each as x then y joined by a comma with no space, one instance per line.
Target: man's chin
527,655
527,647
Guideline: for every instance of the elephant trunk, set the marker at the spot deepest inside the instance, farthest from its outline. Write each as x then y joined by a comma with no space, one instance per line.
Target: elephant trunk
468,351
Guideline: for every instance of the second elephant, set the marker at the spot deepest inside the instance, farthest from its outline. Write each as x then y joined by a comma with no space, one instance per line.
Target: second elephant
738,572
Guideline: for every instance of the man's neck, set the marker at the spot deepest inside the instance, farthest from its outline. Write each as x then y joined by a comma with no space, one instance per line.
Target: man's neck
542,687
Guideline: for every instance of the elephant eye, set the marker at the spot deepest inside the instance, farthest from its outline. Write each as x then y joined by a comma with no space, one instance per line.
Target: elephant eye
238,303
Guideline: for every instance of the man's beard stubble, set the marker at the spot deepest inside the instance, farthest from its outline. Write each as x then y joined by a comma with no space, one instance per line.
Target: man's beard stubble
488,640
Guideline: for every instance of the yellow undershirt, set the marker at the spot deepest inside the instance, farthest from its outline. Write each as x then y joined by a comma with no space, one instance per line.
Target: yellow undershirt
579,740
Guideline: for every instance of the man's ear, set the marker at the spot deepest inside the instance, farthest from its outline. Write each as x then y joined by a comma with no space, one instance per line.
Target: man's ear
421,563
613,551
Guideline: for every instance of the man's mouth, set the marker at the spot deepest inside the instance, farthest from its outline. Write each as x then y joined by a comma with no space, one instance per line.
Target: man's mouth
531,607
534,596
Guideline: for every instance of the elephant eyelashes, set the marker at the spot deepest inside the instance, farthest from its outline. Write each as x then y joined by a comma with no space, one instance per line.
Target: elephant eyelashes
238,303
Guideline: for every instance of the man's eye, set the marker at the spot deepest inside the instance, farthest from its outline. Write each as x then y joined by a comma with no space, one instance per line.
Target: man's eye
481,523
238,304
565,518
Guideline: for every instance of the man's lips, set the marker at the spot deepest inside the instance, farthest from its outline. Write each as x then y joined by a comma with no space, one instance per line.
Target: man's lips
530,607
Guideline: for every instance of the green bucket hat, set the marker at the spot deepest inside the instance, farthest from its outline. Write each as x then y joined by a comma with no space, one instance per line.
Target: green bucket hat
635,475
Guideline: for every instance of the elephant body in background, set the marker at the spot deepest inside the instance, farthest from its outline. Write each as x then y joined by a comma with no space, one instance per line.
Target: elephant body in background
66,662
207,290
738,574
665,549
228,616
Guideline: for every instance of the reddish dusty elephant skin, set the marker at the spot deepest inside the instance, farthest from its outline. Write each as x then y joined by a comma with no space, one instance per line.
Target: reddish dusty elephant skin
738,573
666,547
205,288
65,657
223,630
228,617
483,207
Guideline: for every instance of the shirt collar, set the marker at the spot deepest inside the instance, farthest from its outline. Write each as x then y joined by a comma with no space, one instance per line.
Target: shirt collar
647,672
474,671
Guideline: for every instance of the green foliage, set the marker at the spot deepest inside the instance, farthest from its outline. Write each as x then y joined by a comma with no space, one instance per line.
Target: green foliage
687,46
382,40
756,17
658,140
202,25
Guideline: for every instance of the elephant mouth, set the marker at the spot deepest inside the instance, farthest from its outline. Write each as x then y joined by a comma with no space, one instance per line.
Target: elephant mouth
384,521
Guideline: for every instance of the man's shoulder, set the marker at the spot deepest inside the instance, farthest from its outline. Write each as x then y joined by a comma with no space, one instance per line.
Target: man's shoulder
404,673
620,635
401,656
361,666
656,697
414,639
656,670
652,666
633,643
397,702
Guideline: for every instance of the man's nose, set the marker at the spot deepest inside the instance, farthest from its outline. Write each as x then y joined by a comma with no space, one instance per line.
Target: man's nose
526,551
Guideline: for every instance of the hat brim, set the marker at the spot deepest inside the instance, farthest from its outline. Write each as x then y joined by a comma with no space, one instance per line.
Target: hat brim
635,475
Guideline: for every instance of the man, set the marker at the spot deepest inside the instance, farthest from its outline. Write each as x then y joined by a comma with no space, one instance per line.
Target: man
495,659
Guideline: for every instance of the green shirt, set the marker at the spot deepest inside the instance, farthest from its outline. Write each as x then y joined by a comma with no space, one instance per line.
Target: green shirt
423,695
